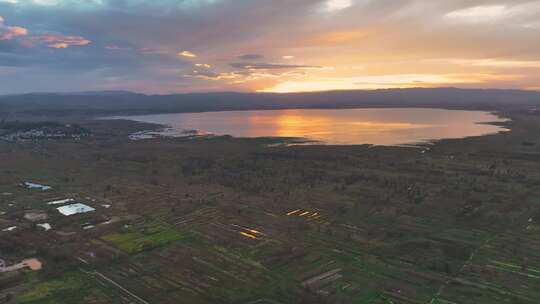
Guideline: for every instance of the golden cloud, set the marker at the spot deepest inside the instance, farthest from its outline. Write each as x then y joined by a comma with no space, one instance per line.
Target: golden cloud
186,54
58,41
10,32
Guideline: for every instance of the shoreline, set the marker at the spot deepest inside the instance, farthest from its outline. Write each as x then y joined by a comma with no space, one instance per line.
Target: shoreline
166,131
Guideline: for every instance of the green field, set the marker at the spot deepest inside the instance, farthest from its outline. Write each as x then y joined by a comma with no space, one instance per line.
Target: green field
143,238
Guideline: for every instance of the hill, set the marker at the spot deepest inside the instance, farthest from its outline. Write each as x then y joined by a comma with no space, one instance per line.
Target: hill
121,102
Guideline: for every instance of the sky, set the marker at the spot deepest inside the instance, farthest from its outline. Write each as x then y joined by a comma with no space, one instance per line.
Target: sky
175,46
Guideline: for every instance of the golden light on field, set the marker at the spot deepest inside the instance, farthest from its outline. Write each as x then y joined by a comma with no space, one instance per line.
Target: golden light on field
251,236
292,212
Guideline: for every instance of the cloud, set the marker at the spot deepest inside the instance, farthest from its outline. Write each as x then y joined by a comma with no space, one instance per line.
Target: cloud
210,75
59,41
337,5
11,32
271,66
243,76
250,57
186,54
494,63
479,13
153,51
114,47
136,43
494,13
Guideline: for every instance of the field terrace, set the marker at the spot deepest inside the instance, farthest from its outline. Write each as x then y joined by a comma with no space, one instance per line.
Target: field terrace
236,221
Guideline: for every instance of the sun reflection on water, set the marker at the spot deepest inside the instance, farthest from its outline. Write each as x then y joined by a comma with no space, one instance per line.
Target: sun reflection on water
389,126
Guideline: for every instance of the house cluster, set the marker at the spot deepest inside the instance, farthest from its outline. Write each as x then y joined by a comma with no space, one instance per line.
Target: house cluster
39,217
49,132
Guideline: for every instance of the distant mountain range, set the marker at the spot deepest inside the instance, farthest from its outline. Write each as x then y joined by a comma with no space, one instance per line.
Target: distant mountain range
124,102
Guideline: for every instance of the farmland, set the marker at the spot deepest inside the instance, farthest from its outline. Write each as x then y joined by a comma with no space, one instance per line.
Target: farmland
231,220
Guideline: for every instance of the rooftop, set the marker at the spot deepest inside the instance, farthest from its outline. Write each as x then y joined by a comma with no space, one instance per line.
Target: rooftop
30,185
75,209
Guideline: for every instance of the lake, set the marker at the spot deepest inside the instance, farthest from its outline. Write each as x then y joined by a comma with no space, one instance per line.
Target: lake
380,126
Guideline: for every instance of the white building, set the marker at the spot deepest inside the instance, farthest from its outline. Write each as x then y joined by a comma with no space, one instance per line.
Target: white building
75,209
30,185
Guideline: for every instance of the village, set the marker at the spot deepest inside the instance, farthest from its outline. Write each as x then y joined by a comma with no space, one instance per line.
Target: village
32,217
19,131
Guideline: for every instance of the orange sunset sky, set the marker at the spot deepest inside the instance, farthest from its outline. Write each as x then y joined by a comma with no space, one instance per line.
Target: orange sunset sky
168,46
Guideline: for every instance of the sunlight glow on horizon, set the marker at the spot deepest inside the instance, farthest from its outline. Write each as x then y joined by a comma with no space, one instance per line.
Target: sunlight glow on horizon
370,82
